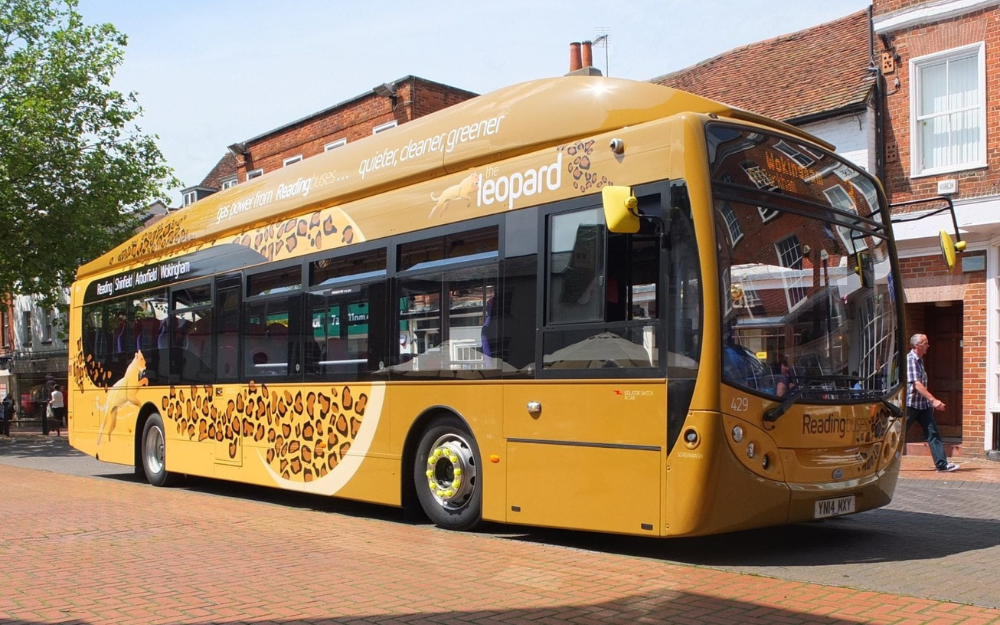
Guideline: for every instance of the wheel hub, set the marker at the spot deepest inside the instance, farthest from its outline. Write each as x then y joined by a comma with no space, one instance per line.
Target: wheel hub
451,471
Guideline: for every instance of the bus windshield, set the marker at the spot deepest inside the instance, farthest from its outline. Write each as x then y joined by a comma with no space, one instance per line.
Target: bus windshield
808,293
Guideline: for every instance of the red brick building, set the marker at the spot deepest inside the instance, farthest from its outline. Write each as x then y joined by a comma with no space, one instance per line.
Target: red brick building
378,110
941,61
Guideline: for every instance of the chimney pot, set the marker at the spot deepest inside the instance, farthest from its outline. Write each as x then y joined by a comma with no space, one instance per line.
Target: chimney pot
574,56
588,54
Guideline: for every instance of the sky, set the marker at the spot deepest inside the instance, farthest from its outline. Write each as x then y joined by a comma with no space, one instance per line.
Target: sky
210,73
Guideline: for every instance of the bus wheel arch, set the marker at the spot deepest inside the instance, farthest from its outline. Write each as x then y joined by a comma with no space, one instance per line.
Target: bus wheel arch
442,474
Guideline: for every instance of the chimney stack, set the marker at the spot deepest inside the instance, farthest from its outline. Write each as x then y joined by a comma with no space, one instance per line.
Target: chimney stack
574,57
588,54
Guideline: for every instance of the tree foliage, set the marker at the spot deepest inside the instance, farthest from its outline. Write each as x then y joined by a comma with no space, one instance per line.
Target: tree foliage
74,166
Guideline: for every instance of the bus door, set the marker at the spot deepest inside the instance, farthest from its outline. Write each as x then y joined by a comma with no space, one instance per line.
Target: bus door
228,304
585,439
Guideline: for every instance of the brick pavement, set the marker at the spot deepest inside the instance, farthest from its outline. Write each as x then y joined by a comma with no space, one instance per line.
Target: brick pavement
109,550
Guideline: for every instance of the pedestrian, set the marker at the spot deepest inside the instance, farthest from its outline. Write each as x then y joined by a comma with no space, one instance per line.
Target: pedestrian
7,414
58,408
920,404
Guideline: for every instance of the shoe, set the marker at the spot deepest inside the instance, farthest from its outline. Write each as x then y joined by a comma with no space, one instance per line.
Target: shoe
951,466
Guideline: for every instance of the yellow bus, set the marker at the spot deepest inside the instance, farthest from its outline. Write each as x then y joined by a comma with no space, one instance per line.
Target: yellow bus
579,302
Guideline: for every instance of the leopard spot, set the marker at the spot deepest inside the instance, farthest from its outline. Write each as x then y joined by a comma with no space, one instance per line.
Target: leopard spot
230,408
306,454
303,228
286,430
308,431
332,461
270,456
202,431
252,387
348,236
291,243
313,221
347,401
342,424
324,404
310,403
328,226
298,403
307,475
164,402
259,434
283,465
359,406
296,466
239,403
288,397
355,426
293,446
232,449
344,449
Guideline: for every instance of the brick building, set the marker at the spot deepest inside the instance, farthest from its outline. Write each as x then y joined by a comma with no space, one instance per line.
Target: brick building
941,61
378,110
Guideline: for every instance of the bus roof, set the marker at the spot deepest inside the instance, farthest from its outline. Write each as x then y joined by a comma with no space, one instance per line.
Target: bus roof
511,121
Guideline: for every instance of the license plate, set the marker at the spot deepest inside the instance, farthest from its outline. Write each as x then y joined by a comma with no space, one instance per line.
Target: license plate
833,507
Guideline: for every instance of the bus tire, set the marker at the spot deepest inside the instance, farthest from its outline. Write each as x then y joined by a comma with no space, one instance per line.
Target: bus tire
154,452
447,474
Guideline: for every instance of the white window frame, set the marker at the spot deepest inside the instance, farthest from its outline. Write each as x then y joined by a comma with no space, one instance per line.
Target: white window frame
916,151
732,222
333,145
384,127
190,197
256,173
291,160
229,183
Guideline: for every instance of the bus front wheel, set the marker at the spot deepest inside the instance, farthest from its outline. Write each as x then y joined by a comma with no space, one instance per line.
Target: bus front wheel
447,475
154,452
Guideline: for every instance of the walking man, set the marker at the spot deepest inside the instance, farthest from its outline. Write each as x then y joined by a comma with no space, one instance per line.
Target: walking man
920,404
7,413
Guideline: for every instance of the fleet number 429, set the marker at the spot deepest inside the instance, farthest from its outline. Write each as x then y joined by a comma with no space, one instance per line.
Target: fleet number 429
740,404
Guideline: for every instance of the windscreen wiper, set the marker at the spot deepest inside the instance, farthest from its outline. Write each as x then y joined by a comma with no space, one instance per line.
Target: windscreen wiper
775,413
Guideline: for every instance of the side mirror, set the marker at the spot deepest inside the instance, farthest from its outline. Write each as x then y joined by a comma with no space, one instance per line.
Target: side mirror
950,249
621,209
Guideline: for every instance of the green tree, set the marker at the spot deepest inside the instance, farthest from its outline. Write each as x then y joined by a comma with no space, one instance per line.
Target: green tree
74,166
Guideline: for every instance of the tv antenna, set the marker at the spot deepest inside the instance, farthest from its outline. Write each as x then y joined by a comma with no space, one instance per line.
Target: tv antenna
602,42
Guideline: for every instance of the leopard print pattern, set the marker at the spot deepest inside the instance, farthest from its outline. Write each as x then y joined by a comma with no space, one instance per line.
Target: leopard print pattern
579,166
307,434
281,240
88,367
161,236
869,458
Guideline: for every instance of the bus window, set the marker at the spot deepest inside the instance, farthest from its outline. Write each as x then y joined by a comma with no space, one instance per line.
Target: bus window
272,336
602,291
576,267
191,334
447,322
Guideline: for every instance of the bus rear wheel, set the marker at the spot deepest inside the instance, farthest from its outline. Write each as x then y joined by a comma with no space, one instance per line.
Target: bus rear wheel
447,475
154,452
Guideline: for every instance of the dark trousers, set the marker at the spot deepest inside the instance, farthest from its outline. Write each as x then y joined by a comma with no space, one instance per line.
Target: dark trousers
58,417
925,417
5,425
